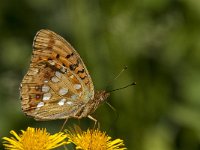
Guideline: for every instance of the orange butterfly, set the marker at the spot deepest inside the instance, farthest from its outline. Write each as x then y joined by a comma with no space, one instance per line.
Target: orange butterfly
57,84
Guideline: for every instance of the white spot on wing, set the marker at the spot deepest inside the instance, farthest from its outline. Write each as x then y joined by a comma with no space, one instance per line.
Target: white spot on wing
58,74
77,86
55,79
63,69
33,71
69,103
74,97
40,104
72,76
63,91
51,62
45,88
46,81
62,102
46,96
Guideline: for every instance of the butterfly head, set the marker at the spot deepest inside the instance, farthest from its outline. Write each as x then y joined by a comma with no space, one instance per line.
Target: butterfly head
101,96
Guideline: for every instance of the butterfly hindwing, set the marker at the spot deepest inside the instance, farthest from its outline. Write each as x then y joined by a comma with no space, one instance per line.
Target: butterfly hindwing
57,84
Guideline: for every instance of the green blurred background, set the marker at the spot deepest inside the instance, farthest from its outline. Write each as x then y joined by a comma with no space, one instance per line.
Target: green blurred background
159,41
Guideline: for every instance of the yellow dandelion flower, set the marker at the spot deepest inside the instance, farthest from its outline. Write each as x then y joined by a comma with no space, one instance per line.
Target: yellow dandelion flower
93,140
34,139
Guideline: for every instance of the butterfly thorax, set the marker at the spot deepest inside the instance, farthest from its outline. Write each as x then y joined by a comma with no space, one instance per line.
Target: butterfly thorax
93,104
100,97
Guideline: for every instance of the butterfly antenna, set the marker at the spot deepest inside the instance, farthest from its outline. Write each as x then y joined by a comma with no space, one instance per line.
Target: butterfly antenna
125,67
134,83
117,76
116,113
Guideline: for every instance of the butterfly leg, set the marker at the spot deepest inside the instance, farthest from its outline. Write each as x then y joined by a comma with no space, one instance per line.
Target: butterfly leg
63,124
95,121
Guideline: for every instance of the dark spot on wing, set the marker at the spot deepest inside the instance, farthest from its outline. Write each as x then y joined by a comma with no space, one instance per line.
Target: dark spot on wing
57,56
74,66
83,77
81,71
69,55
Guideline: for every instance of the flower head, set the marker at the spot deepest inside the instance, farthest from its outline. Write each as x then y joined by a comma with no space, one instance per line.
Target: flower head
34,139
93,140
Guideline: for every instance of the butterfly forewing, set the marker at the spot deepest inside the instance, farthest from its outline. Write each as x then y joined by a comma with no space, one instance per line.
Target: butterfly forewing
57,84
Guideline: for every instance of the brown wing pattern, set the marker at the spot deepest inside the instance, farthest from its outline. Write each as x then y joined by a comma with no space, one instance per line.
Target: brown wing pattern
57,84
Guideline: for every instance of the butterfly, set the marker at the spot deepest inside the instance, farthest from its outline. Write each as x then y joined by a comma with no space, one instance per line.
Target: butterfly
57,84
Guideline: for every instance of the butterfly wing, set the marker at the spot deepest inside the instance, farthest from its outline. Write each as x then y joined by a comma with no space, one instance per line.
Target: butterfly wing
57,84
